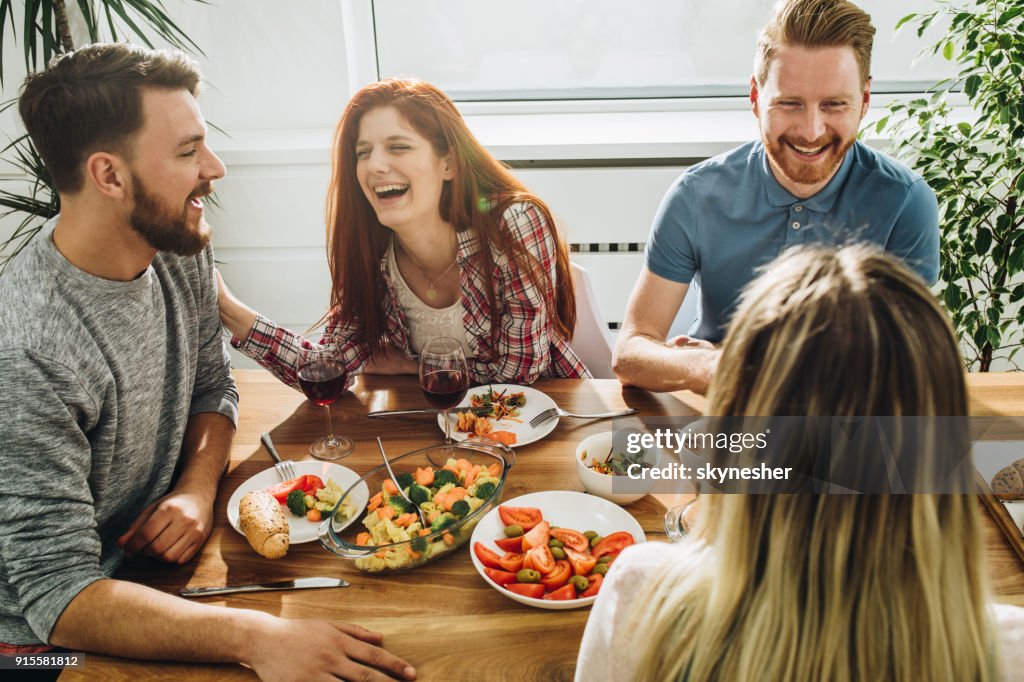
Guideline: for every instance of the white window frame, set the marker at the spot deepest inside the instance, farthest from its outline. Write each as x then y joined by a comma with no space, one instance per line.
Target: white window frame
521,130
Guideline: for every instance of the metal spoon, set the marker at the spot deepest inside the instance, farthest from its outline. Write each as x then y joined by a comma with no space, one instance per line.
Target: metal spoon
423,517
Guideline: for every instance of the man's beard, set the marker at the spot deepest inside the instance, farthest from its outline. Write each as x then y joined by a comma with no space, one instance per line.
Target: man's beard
164,230
805,173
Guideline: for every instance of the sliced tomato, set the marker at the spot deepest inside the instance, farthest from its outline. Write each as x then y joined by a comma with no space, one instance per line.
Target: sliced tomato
582,564
510,544
538,535
535,590
280,490
613,544
512,562
311,484
559,576
525,517
571,538
541,559
595,585
562,593
500,577
486,556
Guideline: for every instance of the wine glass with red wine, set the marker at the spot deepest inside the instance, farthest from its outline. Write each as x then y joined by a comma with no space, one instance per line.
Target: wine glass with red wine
322,378
444,376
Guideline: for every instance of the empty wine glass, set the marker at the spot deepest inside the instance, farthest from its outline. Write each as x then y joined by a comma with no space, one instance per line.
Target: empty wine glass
680,520
444,376
322,378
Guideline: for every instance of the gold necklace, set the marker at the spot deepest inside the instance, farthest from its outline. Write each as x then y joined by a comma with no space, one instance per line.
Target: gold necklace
431,290
431,284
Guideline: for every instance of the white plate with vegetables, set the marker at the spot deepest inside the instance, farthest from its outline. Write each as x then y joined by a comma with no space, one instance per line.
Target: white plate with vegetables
300,528
512,408
501,556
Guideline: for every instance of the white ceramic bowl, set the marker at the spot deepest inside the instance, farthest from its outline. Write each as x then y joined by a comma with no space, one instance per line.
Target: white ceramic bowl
593,450
560,508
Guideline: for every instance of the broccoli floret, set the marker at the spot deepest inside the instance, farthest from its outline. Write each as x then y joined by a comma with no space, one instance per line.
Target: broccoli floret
297,502
442,522
400,505
404,480
443,477
460,508
419,544
485,490
419,494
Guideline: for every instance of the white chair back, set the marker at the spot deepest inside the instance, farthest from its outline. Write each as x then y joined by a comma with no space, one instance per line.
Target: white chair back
591,340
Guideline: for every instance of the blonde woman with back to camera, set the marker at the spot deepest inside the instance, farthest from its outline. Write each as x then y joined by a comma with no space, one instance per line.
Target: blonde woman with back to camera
808,587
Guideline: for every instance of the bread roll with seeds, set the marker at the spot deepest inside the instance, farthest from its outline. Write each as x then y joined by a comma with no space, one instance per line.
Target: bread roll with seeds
1008,483
264,524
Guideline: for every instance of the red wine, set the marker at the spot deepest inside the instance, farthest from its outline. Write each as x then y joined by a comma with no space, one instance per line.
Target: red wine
322,381
445,388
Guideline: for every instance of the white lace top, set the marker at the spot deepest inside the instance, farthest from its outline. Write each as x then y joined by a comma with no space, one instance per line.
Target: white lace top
426,322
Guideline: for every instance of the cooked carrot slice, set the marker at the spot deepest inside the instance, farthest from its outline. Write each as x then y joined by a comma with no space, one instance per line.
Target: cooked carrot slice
424,476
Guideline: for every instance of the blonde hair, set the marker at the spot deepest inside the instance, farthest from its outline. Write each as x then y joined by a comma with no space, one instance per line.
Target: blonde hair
816,23
804,587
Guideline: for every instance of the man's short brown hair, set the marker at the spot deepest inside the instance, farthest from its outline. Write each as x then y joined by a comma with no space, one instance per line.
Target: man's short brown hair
816,23
90,100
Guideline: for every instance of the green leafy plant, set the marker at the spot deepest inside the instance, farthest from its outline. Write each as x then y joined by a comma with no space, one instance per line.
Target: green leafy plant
45,33
976,168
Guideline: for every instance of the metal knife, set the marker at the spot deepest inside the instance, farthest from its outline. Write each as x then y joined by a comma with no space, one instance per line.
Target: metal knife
481,411
297,584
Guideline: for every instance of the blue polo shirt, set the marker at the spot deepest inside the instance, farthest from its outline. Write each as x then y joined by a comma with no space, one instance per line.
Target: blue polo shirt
728,216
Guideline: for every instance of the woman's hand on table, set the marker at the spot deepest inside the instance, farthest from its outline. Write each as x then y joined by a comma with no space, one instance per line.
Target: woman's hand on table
320,650
391,361
237,317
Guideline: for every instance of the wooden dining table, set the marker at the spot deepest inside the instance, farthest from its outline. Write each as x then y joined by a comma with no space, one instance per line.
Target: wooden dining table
441,617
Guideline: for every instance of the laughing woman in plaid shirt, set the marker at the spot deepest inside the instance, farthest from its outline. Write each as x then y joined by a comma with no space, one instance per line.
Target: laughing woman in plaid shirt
429,235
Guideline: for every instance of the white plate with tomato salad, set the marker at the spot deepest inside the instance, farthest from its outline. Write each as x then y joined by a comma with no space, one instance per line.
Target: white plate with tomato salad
507,417
300,529
571,514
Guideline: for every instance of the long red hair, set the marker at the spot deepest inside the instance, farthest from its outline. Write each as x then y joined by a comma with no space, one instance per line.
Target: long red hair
475,199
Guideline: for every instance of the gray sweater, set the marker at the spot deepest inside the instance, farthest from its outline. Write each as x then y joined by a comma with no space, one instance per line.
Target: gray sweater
97,382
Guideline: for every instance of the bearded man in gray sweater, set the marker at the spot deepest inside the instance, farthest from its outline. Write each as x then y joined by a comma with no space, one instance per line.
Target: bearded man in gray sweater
118,406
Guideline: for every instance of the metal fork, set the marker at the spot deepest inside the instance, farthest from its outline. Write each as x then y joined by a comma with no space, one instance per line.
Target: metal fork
285,467
394,479
553,412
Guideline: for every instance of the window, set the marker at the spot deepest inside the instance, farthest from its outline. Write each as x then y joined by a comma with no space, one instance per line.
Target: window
608,49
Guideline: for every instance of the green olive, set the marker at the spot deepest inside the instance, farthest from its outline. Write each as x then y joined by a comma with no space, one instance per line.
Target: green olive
513,531
606,559
580,582
558,552
555,542
528,575
590,534
600,569
596,539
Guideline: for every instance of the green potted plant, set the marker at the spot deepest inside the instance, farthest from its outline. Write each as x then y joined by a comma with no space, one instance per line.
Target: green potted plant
45,33
976,168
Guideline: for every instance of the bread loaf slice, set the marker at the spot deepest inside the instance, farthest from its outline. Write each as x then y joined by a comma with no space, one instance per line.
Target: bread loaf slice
1008,483
264,524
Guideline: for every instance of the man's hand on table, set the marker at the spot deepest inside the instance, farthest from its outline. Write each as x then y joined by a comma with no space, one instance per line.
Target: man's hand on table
683,341
171,529
319,649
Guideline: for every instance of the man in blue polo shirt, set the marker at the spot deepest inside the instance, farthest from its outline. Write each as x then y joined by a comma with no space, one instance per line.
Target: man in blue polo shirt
806,181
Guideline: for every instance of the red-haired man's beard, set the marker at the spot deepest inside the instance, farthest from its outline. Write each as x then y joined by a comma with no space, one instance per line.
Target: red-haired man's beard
787,155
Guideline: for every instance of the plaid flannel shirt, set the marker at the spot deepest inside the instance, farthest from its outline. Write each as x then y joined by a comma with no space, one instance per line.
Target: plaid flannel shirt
527,348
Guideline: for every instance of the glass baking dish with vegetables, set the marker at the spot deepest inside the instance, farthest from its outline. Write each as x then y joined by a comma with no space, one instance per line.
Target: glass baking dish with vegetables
453,485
